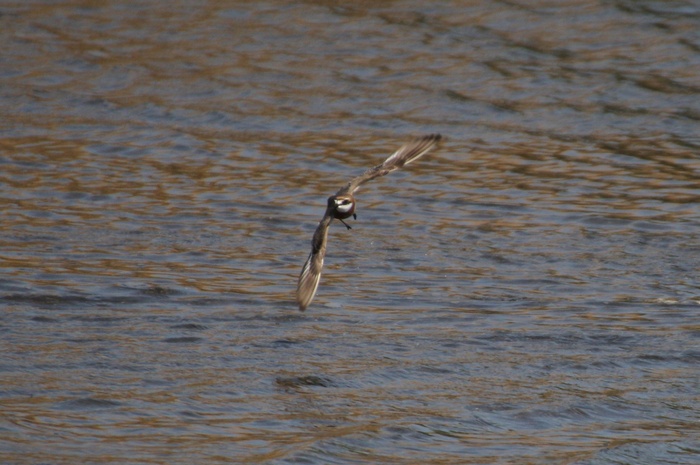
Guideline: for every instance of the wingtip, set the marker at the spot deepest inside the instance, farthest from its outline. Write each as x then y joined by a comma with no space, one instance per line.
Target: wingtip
429,138
303,302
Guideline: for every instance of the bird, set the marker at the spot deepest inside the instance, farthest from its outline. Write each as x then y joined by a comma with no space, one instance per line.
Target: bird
342,205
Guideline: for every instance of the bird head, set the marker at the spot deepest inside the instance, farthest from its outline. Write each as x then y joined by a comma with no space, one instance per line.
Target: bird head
341,206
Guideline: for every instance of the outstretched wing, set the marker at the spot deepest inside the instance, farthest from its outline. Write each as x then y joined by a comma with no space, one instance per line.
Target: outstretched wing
311,271
403,156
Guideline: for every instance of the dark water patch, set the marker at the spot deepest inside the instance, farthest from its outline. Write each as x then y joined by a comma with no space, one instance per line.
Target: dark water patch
303,381
190,326
47,300
191,414
159,291
87,403
44,319
182,340
76,302
211,302
285,342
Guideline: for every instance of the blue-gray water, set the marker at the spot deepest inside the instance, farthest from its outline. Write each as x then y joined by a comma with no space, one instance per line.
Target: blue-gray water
528,293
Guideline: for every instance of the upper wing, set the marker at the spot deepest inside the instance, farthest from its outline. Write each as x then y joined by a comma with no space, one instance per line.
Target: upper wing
311,271
403,156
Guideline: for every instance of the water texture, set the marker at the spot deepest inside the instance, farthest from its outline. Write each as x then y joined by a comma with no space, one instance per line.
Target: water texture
525,294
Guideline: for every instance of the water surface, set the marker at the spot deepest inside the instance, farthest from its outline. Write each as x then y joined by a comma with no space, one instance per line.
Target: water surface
525,294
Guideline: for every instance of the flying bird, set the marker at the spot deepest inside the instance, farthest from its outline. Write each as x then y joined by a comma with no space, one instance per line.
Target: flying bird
341,206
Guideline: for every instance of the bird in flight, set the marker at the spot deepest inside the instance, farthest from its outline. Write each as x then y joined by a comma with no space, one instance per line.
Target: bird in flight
342,205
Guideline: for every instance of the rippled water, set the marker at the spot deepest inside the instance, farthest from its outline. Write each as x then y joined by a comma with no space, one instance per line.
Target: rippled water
526,294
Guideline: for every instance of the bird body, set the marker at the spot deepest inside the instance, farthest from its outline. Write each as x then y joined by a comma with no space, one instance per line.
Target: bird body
342,206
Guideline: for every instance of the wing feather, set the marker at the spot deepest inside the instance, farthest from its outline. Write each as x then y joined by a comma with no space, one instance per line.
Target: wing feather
310,274
406,154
